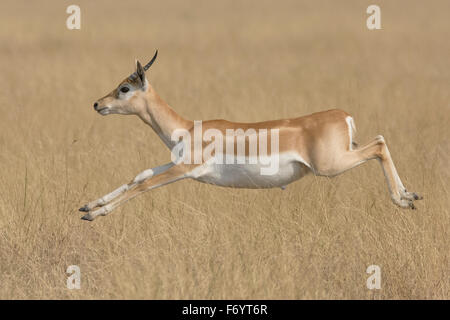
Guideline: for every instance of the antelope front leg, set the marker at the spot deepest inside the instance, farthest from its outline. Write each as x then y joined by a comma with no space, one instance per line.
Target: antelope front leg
171,175
144,175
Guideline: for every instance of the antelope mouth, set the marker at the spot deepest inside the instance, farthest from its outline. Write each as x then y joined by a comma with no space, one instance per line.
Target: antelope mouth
103,111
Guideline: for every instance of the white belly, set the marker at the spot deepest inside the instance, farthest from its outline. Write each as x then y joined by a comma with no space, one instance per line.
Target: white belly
249,175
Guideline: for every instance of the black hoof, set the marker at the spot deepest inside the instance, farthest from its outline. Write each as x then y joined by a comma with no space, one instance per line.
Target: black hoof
84,209
417,197
86,217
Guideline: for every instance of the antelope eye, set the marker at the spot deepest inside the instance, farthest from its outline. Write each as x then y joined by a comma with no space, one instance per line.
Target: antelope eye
124,89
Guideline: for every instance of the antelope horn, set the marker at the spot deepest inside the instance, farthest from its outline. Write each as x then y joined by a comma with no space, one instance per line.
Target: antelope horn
148,65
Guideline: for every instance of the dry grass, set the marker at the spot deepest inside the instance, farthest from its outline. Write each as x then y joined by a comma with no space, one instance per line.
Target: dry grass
240,61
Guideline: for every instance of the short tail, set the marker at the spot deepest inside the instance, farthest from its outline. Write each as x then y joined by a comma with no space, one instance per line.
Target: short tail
351,132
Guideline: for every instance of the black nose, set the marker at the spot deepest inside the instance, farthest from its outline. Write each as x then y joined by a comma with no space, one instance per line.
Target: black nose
95,106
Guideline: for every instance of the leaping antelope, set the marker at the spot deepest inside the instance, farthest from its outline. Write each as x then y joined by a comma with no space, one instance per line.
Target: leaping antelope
321,143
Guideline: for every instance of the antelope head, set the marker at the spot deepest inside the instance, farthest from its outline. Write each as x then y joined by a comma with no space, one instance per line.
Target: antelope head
129,96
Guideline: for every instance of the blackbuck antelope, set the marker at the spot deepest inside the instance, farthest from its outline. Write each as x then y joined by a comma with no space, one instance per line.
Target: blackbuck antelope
321,143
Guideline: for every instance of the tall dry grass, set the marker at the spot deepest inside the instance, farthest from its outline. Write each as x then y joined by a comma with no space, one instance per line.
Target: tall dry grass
242,61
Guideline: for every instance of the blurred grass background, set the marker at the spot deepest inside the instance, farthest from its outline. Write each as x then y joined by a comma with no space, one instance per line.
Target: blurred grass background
242,61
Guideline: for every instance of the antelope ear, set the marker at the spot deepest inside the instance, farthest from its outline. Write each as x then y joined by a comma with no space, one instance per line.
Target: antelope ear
140,72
